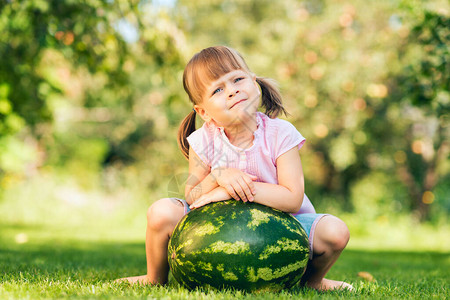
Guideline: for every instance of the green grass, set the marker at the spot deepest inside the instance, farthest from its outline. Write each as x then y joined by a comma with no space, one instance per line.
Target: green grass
53,248
58,265
87,269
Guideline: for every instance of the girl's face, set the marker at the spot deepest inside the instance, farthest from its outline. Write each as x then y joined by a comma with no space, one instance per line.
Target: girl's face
230,100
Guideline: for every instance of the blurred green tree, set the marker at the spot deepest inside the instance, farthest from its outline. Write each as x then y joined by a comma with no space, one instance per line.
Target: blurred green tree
341,66
73,70
97,86
421,89
78,30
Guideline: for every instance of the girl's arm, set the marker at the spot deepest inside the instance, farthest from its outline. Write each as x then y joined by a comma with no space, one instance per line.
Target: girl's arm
216,195
200,180
286,196
239,185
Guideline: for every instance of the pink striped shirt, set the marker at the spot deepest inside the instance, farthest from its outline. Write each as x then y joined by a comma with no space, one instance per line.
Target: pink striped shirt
272,138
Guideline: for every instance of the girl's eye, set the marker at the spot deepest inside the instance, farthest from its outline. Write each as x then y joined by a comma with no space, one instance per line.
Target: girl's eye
238,79
216,91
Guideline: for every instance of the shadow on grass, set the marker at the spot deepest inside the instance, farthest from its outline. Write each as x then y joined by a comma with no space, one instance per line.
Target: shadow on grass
74,260
98,261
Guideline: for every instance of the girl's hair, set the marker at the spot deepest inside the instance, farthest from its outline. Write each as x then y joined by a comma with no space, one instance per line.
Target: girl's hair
209,65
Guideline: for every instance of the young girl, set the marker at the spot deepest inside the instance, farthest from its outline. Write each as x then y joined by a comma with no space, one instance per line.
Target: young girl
243,154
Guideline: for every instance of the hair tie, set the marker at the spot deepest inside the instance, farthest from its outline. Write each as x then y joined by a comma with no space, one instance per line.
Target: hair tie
193,109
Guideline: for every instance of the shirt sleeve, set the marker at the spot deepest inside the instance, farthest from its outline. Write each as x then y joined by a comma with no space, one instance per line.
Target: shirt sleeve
287,138
202,143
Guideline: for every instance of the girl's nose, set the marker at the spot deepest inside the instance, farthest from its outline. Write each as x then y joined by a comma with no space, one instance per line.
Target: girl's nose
233,93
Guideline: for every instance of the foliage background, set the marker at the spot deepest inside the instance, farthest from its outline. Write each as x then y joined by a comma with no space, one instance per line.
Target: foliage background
91,98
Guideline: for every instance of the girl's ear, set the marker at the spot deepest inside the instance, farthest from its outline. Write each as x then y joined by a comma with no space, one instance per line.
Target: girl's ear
202,113
253,76
258,86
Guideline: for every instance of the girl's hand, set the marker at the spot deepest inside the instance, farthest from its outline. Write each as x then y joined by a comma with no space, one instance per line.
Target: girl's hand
237,183
216,195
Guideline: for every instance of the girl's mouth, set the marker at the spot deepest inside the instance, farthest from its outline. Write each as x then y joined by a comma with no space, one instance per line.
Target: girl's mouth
237,102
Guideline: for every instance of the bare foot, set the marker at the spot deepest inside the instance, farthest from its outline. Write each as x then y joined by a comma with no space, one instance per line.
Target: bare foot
330,285
134,280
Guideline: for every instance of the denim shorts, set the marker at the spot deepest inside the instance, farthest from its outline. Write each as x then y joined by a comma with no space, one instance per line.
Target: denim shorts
308,221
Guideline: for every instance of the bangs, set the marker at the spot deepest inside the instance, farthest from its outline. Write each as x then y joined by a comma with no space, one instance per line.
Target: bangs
208,66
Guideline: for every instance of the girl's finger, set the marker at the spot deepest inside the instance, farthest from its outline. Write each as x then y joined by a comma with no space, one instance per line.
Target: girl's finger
253,177
197,203
201,203
250,185
246,190
240,191
229,188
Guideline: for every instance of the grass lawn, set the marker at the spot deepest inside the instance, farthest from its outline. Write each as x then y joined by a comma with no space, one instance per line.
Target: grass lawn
58,265
59,249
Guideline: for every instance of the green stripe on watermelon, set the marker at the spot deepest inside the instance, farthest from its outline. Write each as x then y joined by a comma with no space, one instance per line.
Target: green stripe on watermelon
258,218
241,245
238,247
282,245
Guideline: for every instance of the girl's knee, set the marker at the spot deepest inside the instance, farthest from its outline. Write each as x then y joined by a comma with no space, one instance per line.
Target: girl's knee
334,232
164,213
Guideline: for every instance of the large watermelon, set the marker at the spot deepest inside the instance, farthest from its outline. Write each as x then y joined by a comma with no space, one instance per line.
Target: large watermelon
232,244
